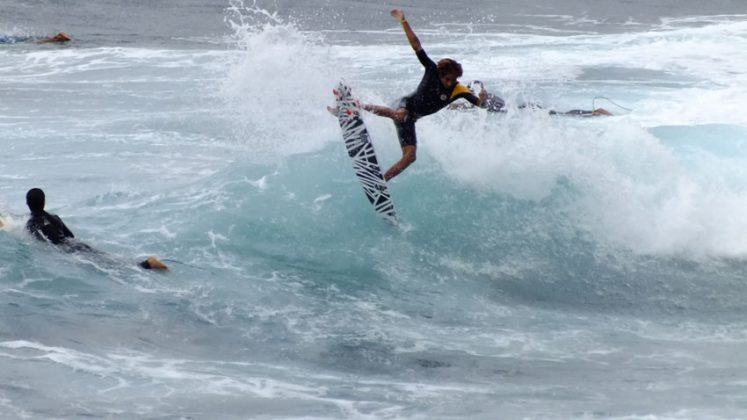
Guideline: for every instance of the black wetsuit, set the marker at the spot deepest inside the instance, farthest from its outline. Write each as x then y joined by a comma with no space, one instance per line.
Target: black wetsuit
49,227
430,97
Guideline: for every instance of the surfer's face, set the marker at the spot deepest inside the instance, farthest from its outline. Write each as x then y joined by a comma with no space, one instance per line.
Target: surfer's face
448,72
448,80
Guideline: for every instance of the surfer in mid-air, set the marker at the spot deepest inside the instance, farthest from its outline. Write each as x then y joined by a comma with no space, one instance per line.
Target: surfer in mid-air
49,227
438,88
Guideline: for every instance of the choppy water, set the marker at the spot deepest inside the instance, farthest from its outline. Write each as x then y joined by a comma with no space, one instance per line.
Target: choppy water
547,268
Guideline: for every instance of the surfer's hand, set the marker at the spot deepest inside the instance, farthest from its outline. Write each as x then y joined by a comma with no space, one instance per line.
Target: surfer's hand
483,95
398,14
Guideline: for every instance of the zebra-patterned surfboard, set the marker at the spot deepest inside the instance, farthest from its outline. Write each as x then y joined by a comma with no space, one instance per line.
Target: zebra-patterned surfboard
361,152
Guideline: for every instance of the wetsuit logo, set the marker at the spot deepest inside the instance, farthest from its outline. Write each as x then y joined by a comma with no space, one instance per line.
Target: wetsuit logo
443,97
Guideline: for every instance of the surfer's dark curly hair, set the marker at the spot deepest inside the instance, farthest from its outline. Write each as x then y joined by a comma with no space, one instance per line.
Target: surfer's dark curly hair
447,66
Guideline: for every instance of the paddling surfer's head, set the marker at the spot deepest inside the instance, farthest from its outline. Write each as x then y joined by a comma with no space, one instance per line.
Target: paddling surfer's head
35,200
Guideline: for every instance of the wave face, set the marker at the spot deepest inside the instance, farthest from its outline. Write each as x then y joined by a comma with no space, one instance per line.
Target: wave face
545,266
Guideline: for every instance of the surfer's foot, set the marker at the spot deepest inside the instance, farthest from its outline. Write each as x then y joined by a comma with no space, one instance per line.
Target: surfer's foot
152,263
601,111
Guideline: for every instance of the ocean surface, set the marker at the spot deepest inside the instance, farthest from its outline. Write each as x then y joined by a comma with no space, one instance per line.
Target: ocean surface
545,267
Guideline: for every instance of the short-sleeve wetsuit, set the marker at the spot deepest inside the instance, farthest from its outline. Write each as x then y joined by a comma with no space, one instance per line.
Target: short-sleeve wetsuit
430,97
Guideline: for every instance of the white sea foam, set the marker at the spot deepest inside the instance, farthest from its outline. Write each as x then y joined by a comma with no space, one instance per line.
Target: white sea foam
549,262
279,76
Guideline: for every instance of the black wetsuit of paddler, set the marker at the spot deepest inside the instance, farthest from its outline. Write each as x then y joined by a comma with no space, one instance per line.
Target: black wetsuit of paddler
49,227
430,97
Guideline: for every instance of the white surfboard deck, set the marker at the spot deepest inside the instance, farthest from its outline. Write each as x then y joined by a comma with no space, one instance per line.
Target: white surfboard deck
361,152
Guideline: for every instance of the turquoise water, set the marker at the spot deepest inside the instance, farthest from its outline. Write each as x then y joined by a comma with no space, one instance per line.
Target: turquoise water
545,267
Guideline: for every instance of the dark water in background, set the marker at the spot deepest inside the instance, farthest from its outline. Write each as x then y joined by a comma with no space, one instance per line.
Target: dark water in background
145,22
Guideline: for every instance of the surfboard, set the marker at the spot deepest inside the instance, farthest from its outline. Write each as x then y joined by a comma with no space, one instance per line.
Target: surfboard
361,152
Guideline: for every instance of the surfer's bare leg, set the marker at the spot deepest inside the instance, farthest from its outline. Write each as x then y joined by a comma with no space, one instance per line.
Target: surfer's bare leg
399,114
408,157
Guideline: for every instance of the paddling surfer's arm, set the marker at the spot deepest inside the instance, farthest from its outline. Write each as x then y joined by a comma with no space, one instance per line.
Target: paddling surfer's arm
411,37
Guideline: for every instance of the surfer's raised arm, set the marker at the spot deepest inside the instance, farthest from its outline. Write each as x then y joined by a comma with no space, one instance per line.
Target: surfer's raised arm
437,89
414,41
